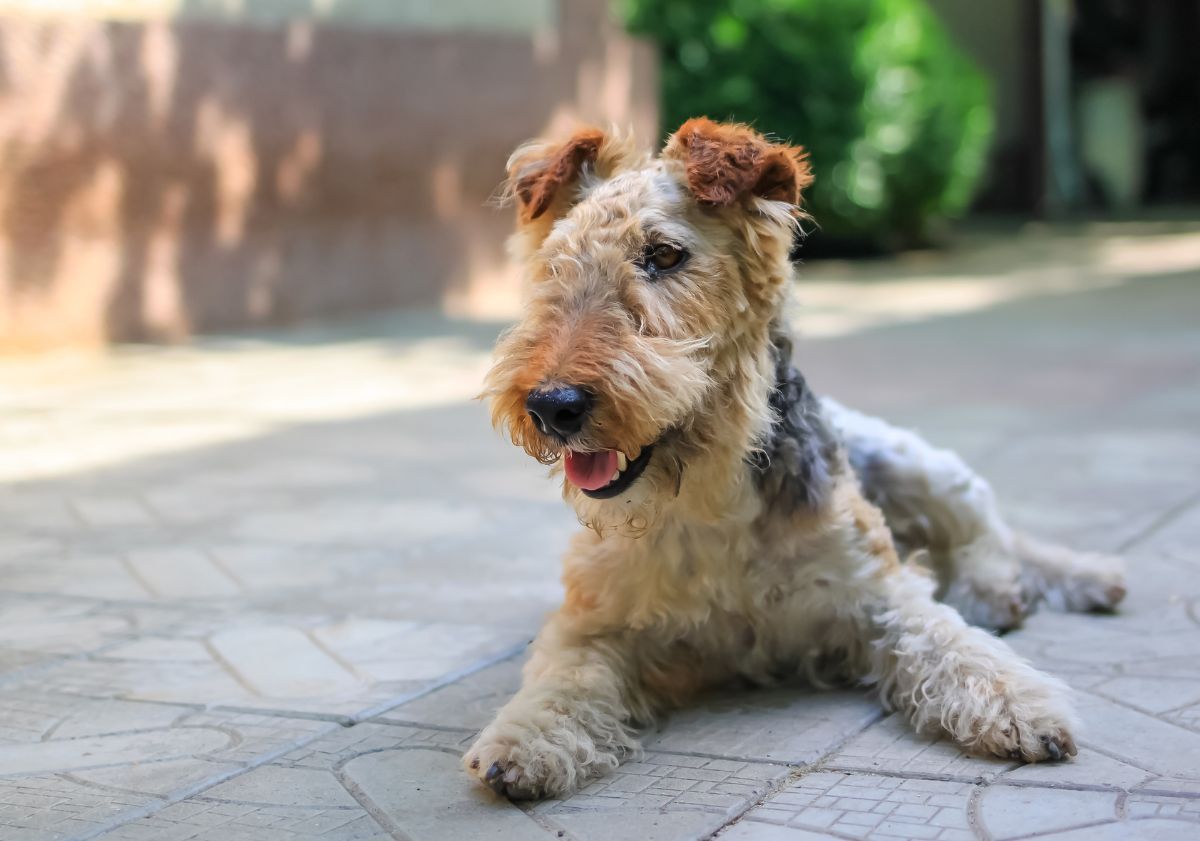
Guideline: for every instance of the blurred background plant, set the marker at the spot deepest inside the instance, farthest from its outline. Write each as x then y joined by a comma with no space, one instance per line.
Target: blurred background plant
897,119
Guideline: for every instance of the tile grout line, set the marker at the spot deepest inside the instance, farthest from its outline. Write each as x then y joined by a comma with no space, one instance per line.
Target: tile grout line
442,682
361,718
180,795
974,813
1160,522
796,773
1126,705
977,779
735,815
1001,780
1041,833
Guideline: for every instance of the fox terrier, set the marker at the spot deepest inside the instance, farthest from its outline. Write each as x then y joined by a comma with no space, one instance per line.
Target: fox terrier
738,526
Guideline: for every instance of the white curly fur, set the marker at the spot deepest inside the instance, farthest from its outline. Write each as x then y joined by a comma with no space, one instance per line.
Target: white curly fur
932,500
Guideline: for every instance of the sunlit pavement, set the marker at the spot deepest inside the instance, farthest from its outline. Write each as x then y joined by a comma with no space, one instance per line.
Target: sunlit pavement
267,587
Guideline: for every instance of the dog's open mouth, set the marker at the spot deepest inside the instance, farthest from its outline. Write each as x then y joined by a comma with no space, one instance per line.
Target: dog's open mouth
607,473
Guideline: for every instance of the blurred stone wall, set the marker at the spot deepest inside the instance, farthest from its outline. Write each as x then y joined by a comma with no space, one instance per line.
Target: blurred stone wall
177,166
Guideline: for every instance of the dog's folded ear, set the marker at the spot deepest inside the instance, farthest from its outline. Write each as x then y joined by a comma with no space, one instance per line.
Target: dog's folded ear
728,162
540,173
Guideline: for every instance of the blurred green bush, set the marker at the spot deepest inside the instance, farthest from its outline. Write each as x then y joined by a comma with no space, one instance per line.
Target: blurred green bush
897,120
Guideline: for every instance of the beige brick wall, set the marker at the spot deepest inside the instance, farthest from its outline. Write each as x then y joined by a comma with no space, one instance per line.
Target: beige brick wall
161,176
431,15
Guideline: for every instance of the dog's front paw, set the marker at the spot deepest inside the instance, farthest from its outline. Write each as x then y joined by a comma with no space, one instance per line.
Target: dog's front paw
523,763
510,775
1030,722
1012,738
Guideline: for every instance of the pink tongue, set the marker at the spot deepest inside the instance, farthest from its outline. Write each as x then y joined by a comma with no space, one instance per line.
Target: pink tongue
590,471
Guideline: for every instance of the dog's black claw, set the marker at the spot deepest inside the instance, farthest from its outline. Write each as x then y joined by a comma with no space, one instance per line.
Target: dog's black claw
495,777
1052,748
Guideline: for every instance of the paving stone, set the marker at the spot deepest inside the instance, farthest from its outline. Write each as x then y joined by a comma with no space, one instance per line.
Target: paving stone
58,628
663,796
285,786
49,807
423,794
90,575
469,703
778,725
1144,805
1139,739
1095,649
96,763
372,524
748,831
181,573
1136,830
412,651
869,806
66,787
108,511
1154,695
279,662
891,746
363,782
1089,768
160,778
644,825
1178,536
274,662
1010,812
124,749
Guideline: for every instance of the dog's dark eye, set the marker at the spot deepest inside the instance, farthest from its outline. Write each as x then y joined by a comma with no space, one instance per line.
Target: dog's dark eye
657,259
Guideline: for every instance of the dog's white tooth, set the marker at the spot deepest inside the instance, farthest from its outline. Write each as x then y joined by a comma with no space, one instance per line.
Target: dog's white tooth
616,475
622,462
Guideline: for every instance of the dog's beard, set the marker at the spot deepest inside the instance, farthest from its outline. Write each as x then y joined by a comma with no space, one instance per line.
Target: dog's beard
634,510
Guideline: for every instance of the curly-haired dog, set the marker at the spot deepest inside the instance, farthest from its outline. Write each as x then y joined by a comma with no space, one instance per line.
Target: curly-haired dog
737,525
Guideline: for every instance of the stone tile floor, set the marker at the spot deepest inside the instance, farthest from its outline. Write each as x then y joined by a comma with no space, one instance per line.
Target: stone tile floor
264,588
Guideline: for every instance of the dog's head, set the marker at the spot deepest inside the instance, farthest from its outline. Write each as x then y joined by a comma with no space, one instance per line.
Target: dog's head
641,361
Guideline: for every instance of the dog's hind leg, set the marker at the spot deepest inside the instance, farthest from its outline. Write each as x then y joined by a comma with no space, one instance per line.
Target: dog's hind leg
947,676
926,661
932,500
1070,580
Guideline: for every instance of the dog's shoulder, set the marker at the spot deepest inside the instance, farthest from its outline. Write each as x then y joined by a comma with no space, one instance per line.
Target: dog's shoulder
795,465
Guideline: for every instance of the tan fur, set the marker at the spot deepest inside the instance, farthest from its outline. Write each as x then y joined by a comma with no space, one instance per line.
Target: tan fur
690,577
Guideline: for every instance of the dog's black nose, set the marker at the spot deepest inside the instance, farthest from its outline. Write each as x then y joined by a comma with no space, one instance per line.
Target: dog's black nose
562,410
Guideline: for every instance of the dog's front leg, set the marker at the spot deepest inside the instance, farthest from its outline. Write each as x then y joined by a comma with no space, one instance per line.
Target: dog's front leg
570,720
948,676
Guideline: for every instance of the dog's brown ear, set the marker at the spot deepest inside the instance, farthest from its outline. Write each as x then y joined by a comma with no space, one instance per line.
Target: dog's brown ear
540,173
727,162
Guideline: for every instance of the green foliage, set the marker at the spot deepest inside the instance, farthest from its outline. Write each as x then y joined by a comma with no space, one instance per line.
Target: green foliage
897,120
